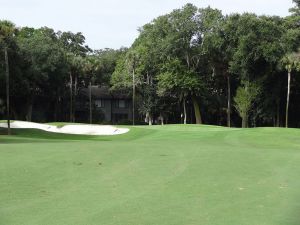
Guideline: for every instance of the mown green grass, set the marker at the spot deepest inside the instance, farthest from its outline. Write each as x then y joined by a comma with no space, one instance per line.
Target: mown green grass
170,175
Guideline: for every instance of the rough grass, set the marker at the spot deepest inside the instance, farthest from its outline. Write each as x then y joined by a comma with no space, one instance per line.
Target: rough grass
170,175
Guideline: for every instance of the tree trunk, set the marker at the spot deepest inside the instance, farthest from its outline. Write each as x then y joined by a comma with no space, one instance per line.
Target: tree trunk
278,114
288,101
245,121
146,118
55,111
184,111
161,119
228,102
7,90
74,99
14,114
90,98
133,97
71,97
29,113
197,110
29,110
191,115
56,108
150,120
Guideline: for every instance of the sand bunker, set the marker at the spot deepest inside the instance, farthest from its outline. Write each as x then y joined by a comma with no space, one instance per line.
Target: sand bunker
70,129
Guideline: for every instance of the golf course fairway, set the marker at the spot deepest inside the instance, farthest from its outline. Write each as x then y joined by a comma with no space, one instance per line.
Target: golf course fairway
158,175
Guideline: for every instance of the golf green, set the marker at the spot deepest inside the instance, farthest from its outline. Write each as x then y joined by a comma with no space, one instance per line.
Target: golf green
159,175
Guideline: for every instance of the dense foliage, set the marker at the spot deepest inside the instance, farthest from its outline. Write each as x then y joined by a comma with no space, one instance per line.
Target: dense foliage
189,66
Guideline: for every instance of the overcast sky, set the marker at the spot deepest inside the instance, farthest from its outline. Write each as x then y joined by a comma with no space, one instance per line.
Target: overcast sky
114,23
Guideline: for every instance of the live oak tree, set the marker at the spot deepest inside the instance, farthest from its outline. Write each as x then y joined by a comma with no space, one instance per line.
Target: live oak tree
176,78
258,49
43,65
182,43
147,61
219,41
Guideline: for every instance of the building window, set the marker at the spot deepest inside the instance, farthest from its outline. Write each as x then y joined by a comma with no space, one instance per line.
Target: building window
99,103
121,104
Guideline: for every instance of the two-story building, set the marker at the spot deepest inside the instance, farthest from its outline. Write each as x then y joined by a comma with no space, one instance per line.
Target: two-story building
112,107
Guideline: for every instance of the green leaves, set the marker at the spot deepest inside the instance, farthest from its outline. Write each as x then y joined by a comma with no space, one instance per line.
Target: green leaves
258,41
245,98
291,61
175,77
7,31
43,57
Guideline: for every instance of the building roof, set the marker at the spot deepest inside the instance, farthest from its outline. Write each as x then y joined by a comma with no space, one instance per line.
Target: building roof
104,92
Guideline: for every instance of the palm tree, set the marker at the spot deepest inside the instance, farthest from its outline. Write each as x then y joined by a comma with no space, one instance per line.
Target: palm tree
290,61
7,31
132,63
90,66
75,67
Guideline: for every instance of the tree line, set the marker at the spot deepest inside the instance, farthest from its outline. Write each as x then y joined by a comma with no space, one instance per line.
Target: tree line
47,70
193,65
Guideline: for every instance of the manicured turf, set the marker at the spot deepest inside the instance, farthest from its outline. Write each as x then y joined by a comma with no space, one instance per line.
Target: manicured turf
171,175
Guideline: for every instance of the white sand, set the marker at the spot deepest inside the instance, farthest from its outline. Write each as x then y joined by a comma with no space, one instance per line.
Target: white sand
70,129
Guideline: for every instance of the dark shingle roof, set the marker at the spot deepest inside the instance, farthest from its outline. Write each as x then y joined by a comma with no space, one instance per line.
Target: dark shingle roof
103,92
